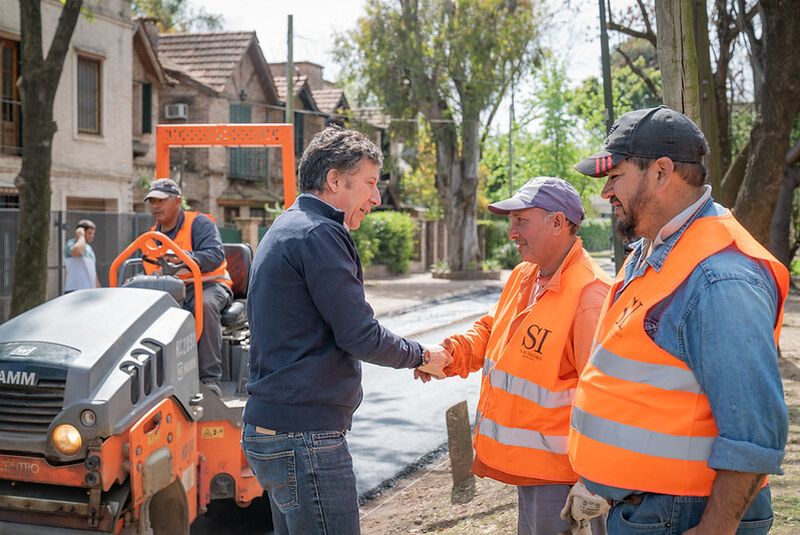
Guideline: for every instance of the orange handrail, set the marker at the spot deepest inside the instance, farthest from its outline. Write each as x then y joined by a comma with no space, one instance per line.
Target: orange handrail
230,135
154,251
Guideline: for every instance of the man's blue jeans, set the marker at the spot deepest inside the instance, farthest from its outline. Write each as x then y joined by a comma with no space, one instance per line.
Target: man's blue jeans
310,480
662,514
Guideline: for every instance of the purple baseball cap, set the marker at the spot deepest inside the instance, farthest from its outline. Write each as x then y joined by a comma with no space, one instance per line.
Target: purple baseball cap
545,192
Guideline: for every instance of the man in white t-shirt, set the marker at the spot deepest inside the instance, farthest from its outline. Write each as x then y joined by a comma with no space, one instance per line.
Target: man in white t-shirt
80,258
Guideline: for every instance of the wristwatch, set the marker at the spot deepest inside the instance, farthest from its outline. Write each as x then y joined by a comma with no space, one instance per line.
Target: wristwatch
426,358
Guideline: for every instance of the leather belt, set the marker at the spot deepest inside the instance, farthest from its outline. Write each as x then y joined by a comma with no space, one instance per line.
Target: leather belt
634,499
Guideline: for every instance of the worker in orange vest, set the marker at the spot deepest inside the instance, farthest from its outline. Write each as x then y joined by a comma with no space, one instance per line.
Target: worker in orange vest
680,413
531,349
197,235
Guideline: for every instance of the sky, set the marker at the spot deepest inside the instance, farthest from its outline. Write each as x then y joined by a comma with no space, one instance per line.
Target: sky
574,34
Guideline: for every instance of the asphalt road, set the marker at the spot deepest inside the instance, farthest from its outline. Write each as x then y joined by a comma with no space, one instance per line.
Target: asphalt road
401,419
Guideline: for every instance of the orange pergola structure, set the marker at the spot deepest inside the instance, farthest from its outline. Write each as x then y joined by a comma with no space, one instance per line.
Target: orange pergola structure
229,135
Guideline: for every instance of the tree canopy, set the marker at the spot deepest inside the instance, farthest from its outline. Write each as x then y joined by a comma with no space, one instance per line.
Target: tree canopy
178,15
448,62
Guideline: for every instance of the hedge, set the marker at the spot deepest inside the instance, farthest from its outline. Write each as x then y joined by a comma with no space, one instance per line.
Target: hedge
596,234
387,238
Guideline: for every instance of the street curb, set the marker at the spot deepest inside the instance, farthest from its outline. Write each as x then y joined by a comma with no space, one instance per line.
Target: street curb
387,484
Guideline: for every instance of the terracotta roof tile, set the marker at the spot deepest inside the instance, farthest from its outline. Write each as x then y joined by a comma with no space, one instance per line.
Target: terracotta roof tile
329,100
207,57
280,85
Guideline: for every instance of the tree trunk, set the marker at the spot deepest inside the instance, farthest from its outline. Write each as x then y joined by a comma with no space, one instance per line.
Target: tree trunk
724,26
683,55
782,218
732,181
456,177
39,83
776,111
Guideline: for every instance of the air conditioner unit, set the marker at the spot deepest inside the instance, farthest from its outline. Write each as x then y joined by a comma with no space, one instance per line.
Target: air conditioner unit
178,110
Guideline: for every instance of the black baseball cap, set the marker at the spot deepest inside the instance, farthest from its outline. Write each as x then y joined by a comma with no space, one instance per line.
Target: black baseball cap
648,133
163,188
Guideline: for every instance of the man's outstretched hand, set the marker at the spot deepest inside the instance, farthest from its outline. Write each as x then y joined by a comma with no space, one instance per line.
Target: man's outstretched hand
437,360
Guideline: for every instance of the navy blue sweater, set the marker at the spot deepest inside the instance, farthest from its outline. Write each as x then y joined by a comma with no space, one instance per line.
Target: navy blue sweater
310,324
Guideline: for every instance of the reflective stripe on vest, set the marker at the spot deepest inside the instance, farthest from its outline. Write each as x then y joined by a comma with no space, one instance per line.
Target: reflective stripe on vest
664,377
641,420
523,438
641,440
524,406
529,390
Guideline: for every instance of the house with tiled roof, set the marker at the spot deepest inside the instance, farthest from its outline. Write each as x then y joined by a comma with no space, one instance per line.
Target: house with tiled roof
308,118
330,99
373,122
221,77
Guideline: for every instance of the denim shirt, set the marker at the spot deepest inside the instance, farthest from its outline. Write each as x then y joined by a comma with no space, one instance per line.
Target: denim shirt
720,323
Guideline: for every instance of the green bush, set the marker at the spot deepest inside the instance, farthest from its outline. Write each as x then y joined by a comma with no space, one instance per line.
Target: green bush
386,238
367,241
795,267
596,234
506,255
495,233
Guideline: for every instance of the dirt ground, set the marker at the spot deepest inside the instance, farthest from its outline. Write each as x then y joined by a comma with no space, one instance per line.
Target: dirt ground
421,502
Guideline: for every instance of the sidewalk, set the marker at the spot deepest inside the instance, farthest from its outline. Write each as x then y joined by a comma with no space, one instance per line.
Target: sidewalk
393,295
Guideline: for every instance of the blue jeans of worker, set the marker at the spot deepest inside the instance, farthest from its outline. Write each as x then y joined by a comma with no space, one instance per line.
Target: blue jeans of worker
209,348
661,514
309,478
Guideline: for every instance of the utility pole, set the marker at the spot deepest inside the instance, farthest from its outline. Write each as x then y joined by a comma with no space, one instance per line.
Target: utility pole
289,74
511,142
619,252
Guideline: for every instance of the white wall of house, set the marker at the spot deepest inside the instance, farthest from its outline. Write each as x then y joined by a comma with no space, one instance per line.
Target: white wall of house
87,166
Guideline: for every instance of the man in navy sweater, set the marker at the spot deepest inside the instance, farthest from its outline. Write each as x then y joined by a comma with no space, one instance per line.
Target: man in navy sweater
310,327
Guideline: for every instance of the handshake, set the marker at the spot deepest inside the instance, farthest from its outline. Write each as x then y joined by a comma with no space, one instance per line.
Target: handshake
436,359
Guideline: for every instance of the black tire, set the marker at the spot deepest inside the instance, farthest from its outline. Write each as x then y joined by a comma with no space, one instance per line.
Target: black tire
224,516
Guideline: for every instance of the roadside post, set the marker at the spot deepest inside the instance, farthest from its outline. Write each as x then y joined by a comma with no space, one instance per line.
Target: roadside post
459,446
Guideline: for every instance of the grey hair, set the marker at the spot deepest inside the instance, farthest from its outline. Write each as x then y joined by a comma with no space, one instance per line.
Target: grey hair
573,228
335,148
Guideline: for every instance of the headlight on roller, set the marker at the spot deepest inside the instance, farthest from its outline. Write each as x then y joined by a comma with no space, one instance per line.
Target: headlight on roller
66,439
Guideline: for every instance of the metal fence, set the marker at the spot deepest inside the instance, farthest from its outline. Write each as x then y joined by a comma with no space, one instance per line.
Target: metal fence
114,233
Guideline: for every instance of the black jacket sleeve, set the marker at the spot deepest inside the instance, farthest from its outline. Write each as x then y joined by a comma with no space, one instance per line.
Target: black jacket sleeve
332,271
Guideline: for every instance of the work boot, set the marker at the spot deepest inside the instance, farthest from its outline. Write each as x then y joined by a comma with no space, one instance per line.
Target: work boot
212,385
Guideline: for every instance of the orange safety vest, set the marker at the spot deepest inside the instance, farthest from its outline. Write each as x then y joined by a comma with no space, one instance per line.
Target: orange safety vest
641,421
524,406
183,239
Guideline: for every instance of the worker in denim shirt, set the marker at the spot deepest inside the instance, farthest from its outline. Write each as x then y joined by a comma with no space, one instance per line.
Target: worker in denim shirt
680,413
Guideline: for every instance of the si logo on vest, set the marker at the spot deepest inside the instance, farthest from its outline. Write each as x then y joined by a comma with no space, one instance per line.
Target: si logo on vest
533,342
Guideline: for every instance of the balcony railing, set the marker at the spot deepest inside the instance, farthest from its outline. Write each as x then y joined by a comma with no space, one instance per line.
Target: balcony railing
10,126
